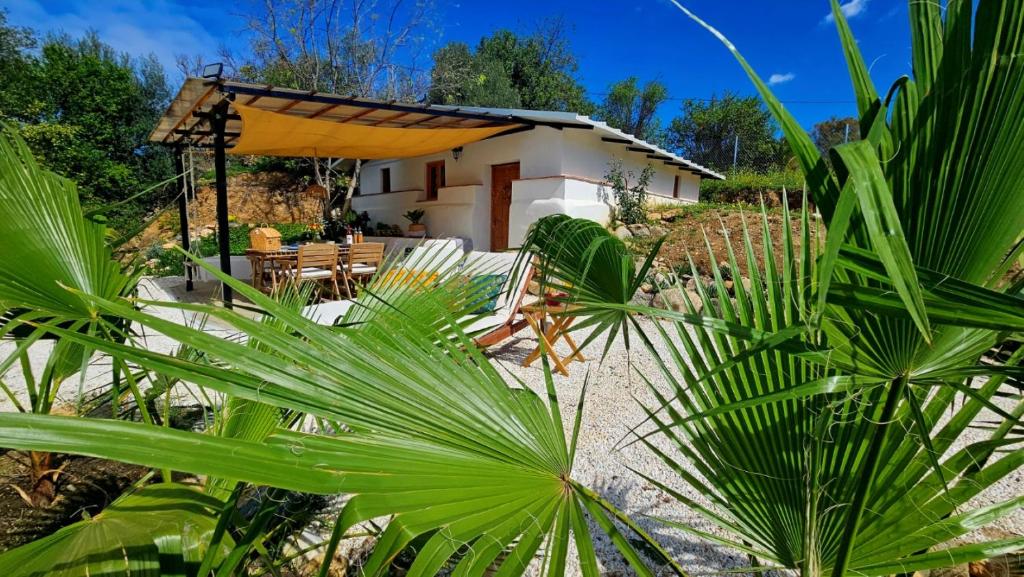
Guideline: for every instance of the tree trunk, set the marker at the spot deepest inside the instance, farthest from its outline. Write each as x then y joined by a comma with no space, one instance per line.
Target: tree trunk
351,187
44,479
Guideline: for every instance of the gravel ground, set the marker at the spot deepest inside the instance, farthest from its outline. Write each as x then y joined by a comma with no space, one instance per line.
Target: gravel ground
612,407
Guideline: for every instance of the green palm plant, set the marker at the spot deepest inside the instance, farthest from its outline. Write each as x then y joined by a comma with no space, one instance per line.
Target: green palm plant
581,259
778,441
831,456
171,537
49,245
434,437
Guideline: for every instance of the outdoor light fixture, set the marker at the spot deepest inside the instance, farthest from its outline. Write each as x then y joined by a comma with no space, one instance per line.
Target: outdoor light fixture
213,70
457,153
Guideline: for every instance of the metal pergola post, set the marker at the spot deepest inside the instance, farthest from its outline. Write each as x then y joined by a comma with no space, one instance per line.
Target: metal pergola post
218,123
183,188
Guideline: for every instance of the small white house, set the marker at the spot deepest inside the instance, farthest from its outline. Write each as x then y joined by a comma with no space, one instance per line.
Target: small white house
490,191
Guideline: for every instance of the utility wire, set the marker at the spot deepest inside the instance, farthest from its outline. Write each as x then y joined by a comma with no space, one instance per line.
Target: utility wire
603,94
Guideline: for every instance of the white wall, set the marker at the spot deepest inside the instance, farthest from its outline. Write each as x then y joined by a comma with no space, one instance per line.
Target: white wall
586,155
560,172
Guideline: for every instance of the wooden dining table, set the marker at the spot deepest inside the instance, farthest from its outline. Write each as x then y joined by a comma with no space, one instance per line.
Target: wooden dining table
273,265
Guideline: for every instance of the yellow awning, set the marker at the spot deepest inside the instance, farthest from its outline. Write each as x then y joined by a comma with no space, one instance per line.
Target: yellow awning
278,134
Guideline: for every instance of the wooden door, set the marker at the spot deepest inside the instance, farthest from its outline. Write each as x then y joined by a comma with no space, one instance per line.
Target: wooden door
435,179
502,176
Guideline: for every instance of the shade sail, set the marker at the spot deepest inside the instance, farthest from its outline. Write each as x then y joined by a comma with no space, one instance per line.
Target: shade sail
277,134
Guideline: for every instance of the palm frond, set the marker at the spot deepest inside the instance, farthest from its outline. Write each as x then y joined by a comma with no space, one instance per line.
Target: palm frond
438,439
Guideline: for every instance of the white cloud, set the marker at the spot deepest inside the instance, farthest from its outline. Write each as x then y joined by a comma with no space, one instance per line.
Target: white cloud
780,78
160,27
849,9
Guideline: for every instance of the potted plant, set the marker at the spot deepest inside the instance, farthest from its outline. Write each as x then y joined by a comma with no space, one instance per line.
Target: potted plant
415,227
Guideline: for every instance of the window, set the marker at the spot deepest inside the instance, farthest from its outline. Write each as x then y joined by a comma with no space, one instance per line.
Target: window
385,180
675,187
435,179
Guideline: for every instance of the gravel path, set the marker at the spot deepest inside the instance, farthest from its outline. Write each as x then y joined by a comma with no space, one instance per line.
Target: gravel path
614,394
610,411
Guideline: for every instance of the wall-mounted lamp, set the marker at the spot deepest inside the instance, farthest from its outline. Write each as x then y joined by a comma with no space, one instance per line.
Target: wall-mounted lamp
457,153
213,71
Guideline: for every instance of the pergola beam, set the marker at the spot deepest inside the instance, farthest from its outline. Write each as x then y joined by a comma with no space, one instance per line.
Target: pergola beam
356,103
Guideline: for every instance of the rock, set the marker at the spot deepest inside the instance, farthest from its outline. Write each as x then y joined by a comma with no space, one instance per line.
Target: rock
694,298
747,285
623,233
955,571
647,288
658,231
1002,566
728,286
691,284
639,229
655,216
533,288
167,245
640,298
675,299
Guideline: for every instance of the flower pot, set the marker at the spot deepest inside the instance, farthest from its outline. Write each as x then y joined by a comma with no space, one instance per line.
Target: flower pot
418,229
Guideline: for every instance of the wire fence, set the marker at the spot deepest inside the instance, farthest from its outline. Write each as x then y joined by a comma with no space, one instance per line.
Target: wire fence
734,154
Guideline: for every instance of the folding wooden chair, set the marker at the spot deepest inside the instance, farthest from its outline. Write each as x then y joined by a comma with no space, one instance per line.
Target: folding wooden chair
363,261
317,262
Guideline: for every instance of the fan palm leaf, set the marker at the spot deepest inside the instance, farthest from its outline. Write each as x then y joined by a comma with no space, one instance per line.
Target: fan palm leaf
860,476
438,440
779,442
160,530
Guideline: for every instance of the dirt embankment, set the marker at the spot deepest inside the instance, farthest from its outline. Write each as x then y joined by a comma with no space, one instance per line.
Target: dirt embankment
258,198
687,230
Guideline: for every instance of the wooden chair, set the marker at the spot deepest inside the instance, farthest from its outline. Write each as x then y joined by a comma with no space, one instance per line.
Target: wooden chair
363,261
317,262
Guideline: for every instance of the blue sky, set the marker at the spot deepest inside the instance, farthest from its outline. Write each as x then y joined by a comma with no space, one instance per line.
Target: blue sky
791,41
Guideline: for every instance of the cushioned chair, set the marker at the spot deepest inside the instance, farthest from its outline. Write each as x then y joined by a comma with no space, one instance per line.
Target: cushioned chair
363,260
318,262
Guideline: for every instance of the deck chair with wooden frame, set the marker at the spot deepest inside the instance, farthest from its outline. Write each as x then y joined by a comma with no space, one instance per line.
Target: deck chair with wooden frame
506,319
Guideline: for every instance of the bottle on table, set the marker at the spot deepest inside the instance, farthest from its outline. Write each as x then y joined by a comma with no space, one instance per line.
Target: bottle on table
359,235
348,235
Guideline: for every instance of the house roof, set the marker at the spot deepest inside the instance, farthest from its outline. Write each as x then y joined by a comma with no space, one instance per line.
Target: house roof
187,121
608,133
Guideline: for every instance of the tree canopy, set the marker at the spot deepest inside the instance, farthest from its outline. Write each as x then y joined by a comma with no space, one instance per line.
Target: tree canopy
86,111
631,108
507,70
709,132
835,131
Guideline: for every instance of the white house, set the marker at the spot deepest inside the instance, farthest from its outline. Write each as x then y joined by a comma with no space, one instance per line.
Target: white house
490,191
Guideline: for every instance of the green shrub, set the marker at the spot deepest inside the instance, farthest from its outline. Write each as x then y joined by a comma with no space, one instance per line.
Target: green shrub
291,232
164,262
748,187
630,191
